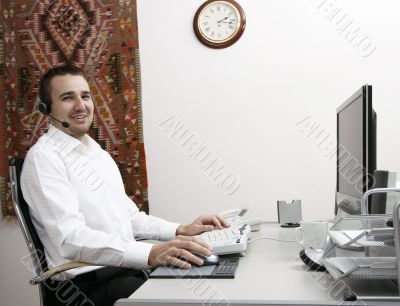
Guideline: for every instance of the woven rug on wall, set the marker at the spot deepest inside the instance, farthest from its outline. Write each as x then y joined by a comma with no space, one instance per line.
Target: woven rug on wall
100,37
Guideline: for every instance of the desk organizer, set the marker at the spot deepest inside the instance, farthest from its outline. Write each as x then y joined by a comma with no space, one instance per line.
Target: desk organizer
367,252
365,246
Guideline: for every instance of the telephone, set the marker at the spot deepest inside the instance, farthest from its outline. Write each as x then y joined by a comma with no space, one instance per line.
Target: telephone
235,217
232,213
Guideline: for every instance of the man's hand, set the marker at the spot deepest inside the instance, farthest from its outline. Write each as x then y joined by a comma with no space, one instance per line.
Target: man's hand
178,251
202,224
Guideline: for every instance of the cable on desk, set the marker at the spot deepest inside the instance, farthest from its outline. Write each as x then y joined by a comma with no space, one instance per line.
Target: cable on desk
270,238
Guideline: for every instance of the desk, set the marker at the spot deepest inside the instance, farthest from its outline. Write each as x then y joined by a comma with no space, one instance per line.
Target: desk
271,273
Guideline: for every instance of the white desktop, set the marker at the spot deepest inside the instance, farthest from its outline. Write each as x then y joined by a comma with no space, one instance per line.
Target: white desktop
270,273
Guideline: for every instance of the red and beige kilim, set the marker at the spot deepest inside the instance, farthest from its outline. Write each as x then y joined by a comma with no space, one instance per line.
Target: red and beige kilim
100,37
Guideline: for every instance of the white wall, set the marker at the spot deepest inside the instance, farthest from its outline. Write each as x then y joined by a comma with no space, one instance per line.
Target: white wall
243,102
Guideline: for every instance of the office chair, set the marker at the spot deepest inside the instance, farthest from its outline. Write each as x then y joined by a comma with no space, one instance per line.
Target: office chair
35,246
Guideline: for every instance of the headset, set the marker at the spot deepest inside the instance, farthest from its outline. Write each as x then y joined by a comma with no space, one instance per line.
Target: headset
45,109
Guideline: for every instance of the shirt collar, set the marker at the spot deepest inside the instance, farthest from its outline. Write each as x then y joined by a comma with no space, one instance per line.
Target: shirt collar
90,143
64,142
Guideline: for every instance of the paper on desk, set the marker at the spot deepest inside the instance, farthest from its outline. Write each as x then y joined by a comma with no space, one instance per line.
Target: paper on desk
360,238
343,237
349,264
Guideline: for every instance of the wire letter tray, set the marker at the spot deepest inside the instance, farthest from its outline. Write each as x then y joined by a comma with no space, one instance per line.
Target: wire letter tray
363,248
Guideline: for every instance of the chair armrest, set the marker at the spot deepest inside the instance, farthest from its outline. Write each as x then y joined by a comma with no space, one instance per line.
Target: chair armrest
56,270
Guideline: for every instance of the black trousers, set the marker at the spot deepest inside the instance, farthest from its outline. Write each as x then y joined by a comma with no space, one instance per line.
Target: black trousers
101,287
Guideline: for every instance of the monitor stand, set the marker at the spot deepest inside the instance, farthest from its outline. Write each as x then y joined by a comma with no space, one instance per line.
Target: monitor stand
289,225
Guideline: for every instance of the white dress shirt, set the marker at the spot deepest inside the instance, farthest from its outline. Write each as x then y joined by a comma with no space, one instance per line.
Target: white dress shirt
79,207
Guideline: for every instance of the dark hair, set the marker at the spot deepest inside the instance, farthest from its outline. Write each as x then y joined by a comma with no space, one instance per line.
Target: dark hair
44,87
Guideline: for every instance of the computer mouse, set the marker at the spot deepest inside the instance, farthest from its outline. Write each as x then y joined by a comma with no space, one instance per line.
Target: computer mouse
208,260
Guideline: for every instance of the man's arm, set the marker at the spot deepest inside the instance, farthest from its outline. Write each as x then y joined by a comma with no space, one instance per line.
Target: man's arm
183,246
202,224
151,227
179,250
148,226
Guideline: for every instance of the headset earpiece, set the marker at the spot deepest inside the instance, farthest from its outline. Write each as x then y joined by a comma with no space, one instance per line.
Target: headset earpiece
44,108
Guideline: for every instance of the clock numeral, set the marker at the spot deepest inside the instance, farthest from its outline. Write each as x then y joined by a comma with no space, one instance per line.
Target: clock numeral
230,13
212,11
218,8
208,29
212,34
230,26
205,23
219,35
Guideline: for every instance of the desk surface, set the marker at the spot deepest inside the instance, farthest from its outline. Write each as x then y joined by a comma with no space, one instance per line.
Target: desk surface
271,273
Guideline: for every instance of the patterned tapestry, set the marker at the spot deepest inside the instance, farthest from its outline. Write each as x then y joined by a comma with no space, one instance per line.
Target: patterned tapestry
100,37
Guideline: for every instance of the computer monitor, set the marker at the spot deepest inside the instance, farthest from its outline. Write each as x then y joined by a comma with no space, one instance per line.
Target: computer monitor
356,150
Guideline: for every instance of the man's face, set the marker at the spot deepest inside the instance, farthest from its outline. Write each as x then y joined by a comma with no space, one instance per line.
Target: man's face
71,102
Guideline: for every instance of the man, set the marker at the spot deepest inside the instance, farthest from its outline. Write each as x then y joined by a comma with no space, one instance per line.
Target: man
79,206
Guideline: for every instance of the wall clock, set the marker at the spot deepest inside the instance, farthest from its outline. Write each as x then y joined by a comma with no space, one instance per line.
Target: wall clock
219,23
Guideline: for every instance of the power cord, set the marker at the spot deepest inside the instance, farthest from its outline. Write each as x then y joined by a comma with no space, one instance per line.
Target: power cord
270,238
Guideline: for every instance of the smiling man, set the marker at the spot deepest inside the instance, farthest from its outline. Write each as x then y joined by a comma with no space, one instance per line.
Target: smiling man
79,220
67,96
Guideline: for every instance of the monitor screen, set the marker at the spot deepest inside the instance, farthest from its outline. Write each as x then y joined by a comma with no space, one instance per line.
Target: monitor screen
356,149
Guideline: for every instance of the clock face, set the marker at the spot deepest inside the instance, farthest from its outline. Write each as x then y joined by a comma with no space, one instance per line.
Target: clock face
219,24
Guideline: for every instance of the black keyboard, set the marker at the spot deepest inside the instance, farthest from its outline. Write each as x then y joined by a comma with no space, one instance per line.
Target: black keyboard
226,268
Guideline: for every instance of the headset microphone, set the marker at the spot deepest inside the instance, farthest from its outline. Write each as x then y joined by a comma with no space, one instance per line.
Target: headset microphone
45,109
63,123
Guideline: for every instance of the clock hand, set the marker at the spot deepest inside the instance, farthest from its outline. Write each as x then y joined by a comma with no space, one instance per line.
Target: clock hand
223,19
230,22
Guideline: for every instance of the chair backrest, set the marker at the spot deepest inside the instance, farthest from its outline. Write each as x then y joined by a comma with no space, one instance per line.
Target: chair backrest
33,242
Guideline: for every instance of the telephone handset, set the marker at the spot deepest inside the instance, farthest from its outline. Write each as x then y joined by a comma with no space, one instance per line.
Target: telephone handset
232,213
235,217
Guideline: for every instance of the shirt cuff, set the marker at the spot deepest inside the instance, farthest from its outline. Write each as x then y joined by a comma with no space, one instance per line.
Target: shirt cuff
169,230
137,255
